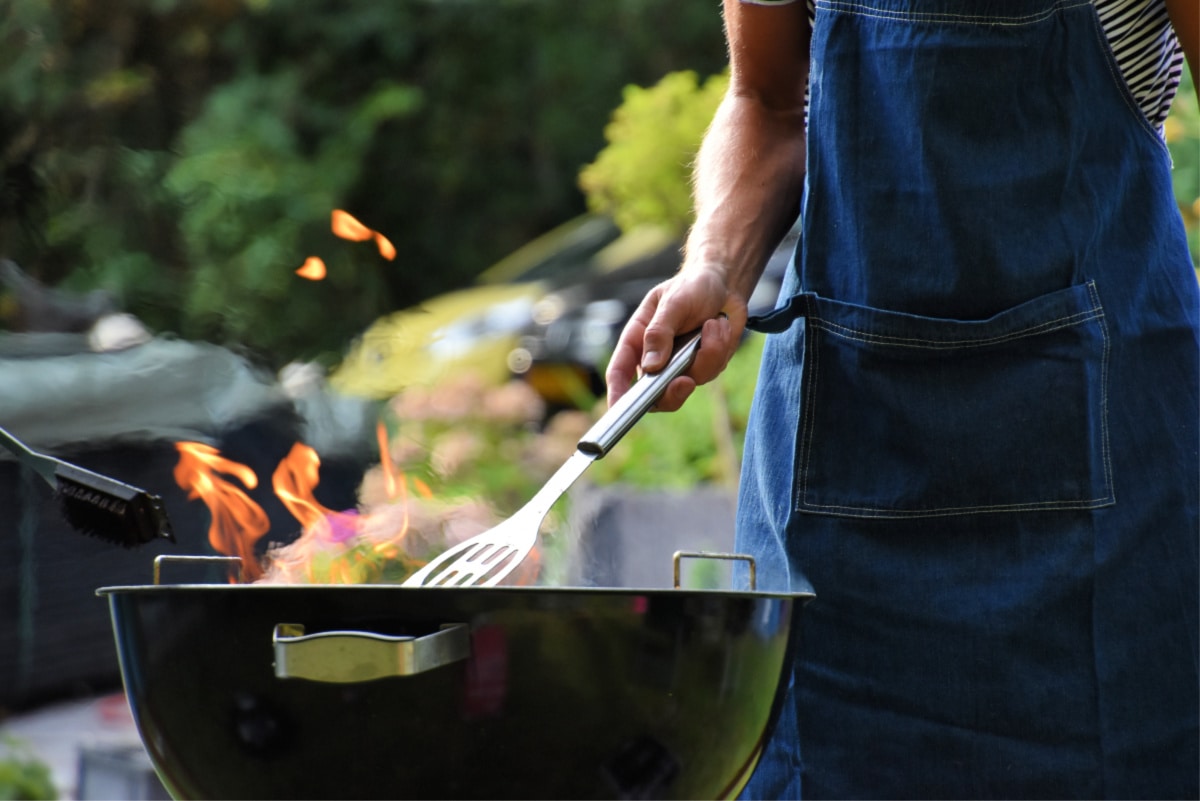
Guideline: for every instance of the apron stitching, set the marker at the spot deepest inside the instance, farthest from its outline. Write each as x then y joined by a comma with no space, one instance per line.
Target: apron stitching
1107,453
949,511
847,332
860,9
812,354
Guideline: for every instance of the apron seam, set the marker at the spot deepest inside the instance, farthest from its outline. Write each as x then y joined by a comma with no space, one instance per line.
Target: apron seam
1109,478
863,10
882,512
812,353
846,332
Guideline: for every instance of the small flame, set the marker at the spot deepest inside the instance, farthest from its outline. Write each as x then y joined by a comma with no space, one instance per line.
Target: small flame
347,226
237,521
294,481
385,460
313,269
388,548
386,248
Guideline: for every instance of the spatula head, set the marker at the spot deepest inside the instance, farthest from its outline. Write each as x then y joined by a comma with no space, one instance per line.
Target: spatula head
476,562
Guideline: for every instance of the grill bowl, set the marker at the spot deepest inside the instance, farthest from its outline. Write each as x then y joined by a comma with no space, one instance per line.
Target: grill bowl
560,692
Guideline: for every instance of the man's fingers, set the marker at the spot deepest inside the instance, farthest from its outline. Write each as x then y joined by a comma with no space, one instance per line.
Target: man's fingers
716,346
627,355
677,392
621,371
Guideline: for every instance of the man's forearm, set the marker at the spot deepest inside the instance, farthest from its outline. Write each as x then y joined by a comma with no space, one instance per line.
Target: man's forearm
748,182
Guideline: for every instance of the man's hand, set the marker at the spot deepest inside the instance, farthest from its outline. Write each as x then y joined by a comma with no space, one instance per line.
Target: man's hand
695,298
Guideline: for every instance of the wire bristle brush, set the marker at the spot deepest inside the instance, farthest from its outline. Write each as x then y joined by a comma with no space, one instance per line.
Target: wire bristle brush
94,504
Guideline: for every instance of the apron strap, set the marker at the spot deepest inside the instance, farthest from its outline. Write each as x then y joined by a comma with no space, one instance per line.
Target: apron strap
779,320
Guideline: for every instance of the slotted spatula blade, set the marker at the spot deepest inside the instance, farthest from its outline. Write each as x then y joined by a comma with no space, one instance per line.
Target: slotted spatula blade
486,559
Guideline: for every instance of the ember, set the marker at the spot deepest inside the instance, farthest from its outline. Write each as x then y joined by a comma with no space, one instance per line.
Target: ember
313,269
345,225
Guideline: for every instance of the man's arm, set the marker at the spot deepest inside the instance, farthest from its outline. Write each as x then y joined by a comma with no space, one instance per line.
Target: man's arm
750,170
748,180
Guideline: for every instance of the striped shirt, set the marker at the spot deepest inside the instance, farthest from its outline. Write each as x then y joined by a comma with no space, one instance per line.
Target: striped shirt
1142,42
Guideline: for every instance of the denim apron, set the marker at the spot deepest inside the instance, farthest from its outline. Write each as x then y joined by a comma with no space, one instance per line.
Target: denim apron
975,433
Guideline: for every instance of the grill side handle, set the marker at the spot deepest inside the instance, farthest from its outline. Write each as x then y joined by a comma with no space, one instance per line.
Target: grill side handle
350,657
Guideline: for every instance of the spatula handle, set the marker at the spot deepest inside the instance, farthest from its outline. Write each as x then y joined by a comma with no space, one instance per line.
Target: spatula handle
640,399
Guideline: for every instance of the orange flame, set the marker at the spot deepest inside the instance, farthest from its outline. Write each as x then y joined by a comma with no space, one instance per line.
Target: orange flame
313,269
294,481
346,226
386,248
385,459
237,521
354,541
388,548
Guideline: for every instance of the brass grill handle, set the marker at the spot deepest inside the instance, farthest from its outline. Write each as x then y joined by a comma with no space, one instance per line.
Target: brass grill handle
679,556
349,657
165,557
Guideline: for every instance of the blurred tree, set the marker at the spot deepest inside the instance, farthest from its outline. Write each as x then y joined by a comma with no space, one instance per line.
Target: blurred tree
186,154
1182,131
643,175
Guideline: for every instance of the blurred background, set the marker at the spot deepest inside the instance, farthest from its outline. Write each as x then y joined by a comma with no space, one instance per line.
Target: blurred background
403,233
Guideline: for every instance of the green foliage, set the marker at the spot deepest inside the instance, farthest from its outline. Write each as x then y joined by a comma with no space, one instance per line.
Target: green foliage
186,155
643,175
254,204
22,775
1182,131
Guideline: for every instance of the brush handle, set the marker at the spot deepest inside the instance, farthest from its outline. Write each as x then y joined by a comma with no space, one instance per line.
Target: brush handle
43,465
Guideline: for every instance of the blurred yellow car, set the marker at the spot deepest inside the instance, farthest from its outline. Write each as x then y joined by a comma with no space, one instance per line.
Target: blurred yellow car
472,329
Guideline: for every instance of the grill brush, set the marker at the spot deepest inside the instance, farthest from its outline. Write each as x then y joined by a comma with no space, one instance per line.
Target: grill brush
94,504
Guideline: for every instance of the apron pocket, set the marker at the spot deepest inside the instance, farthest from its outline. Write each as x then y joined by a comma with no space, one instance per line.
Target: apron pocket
909,416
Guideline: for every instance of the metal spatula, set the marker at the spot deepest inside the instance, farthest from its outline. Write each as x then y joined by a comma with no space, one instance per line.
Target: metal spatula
485,559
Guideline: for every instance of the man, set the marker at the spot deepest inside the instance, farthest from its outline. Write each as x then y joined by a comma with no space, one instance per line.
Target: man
975,431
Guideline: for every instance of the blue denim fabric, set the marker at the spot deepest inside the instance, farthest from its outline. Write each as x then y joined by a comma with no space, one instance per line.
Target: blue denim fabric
987,367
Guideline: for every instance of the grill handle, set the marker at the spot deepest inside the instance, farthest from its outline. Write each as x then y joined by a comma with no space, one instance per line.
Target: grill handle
350,657
679,556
